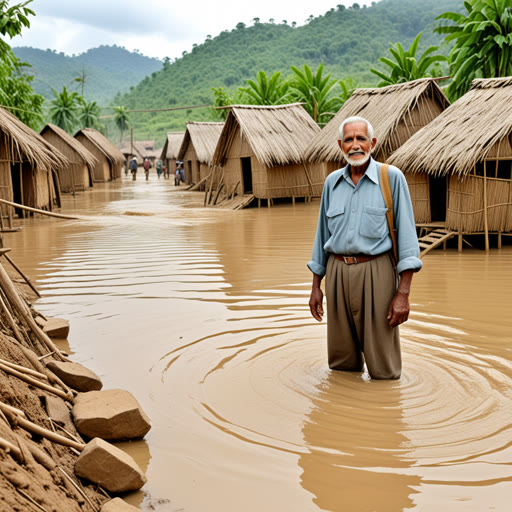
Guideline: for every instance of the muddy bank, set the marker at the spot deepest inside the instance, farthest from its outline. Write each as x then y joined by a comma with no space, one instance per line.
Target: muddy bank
39,444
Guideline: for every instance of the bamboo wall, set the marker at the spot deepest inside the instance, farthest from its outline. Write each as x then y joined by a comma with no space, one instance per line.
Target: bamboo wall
465,212
191,175
75,176
280,181
419,189
101,171
232,167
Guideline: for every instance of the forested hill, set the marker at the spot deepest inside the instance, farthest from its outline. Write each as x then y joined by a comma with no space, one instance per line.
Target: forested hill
349,41
108,70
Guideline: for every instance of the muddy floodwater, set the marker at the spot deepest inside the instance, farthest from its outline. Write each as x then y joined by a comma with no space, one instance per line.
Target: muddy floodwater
202,314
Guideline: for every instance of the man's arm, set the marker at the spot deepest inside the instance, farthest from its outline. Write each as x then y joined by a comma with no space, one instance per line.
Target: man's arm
316,299
399,308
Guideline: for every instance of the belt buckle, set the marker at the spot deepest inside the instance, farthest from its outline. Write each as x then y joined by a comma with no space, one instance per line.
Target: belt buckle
348,261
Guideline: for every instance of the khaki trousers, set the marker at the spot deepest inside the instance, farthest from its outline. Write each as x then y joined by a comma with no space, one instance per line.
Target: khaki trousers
358,298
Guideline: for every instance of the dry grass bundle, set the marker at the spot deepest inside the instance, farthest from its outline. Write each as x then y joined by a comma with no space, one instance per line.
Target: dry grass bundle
277,135
396,112
203,136
464,134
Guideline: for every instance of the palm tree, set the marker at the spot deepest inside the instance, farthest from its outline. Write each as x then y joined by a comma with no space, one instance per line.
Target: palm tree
405,67
81,80
321,94
122,119
482,43
89,114
265,91
63,109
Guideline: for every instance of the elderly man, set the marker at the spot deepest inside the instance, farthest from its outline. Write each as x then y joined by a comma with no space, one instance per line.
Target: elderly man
366,300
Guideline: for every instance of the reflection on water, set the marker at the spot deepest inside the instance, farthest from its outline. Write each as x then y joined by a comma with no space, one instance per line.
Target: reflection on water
202,314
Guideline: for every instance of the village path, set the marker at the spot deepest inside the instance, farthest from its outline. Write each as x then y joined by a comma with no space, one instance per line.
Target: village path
202,314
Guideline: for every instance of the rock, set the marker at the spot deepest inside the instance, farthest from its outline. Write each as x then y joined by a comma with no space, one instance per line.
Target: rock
75,375
40,321
112,414
110,467
56,328
118,505
58,411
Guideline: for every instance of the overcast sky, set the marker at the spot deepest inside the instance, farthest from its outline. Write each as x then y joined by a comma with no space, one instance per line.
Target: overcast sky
157,28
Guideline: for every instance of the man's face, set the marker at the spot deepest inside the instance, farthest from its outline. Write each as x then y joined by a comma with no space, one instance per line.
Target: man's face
356,146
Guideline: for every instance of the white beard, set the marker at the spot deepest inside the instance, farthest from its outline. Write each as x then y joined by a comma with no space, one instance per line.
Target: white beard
357,163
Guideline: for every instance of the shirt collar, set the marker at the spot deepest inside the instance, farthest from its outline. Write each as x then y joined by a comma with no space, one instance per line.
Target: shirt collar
372,172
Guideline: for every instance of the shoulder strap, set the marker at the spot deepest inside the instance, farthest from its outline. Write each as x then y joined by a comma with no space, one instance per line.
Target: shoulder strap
388,199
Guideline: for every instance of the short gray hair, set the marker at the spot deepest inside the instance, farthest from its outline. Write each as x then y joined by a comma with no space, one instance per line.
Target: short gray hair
356,119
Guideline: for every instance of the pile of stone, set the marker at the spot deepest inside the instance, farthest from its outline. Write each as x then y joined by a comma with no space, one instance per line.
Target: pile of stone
77,408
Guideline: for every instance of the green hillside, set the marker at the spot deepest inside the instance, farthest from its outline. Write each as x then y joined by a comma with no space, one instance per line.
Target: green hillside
108,70
348,40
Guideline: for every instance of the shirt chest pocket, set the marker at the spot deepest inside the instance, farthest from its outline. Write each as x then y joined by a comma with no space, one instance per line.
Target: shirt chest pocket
335,217
373,222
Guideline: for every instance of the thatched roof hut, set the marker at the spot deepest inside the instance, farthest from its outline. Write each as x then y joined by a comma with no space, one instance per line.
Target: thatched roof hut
110,159
77,175
469,146
197,148
262,152
27,165
396,112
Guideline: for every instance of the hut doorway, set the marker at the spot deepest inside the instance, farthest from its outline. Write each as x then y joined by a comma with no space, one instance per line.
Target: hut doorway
438,193
247,174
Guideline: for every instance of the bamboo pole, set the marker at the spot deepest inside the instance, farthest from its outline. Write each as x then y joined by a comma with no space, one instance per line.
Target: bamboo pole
44,432
20,272
24,369
21,192
35,382
36,210
10,320
9,447
13,297
486,225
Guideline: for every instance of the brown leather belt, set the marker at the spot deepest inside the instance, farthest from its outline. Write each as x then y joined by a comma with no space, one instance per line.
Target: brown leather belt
353,259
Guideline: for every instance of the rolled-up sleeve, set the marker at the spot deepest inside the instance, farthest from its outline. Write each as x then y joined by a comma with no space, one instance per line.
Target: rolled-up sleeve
318,263
408,248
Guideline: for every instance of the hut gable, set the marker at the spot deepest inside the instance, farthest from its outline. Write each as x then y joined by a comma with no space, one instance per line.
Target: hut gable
84,156
477,126
396,112
172,146
277,135
204,137
103,144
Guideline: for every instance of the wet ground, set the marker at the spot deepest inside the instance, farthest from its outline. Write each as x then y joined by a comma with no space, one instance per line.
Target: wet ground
202,314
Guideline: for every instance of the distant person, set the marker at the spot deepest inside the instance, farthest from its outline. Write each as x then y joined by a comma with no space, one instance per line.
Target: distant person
159,168
126,166
147,166
182,172
133,168
177,176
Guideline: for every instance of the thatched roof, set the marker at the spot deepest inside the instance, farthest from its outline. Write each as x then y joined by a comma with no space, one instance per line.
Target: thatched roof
172,145
87,157
463,134
21,143
103,144
384,107
204,137
277,134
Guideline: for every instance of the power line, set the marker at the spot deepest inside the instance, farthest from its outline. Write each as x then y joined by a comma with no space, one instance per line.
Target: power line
161,109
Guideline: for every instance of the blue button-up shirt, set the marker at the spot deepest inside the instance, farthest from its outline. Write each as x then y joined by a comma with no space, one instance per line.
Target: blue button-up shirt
352,219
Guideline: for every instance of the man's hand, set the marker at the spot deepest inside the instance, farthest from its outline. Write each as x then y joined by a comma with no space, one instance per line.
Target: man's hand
315,303
398,312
